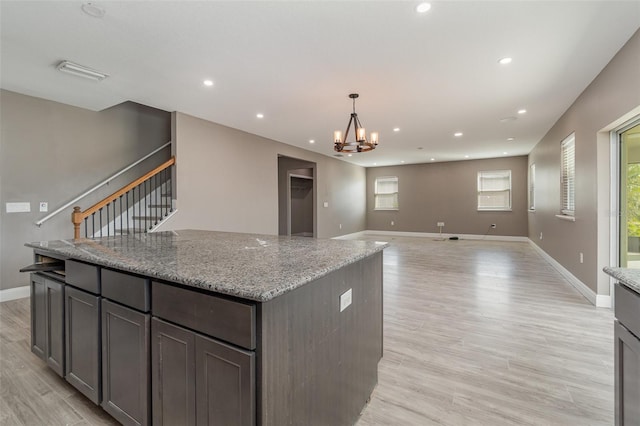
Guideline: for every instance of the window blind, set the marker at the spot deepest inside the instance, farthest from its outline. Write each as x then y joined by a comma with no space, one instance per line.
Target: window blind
386,193
568,176
494,190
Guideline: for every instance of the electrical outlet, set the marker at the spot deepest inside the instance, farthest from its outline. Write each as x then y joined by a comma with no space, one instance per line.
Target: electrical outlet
581,257
44,206
392,223
493,225
440,224
340,226
345,300
541,235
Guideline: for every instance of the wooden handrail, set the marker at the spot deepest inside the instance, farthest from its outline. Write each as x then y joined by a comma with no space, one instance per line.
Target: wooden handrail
78,216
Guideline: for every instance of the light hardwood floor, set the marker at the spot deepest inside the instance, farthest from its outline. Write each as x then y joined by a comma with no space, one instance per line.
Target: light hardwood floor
475,333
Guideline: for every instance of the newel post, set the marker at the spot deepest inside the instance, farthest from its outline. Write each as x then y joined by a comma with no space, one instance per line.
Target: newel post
76,218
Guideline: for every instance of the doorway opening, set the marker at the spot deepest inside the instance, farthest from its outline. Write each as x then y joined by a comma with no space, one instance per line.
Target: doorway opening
296,197
629,196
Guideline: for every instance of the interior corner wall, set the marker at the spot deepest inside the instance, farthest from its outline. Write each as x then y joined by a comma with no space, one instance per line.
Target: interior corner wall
54,152
228,181
611,95
448,192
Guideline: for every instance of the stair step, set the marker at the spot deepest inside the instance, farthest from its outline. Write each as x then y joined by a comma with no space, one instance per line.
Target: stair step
149,218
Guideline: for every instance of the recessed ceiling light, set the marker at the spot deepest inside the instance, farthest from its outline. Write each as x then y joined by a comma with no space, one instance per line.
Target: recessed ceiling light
522,111
260,115
375,164
396,129
433,159
208,83
457,134
423,7
505,153
402,161
93,10
350,155
312,141
466,156
511,139
505,61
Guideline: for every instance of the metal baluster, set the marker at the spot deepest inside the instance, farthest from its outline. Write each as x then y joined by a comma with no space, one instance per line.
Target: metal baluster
93,224
115,218
127,195
86,219
121,228
100,213
107,206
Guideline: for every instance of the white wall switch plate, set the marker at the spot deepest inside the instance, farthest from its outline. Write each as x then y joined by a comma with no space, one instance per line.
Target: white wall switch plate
440,223
44,206
345,300
18,207
326,204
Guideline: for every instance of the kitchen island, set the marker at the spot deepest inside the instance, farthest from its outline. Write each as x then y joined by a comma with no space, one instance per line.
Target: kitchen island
202,327
627,345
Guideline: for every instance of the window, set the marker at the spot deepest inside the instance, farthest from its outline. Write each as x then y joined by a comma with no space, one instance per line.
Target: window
568,176
494,190
532,187
386,193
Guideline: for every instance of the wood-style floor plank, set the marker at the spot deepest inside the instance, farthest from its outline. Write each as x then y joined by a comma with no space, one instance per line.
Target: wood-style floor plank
475,333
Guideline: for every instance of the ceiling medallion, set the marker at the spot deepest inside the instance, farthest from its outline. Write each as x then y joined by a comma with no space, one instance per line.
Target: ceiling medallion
360,144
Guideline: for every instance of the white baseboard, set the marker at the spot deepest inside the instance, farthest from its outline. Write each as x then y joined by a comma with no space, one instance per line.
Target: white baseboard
598,300
15,293
353,236
445,236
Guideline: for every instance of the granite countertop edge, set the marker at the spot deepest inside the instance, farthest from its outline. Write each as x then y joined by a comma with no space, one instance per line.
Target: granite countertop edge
630,278
151,270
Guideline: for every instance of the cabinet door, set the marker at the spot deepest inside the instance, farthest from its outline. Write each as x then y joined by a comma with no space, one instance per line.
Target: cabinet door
627,377
55,325
38,316
82,338
225,384
125,364
173,374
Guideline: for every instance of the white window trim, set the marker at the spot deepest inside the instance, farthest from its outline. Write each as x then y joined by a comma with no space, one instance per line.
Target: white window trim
494,209
532,187
568,144
376,193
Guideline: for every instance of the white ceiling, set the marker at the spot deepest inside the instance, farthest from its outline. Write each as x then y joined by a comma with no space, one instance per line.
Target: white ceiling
429,74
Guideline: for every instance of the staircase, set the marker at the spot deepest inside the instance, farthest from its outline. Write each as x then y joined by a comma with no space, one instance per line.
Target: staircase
134,209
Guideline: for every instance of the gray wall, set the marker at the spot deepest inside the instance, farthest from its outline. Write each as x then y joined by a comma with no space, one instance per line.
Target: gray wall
228,181
447,192
54,152
611,96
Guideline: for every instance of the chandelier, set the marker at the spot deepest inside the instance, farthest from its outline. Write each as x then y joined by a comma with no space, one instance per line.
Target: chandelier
360,144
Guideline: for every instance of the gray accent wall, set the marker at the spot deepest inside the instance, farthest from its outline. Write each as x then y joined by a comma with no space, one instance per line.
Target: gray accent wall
606,103
54,152
447,192
228,181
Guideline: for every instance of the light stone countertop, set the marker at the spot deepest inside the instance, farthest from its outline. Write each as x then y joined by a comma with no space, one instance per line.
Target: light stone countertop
628,277
249,266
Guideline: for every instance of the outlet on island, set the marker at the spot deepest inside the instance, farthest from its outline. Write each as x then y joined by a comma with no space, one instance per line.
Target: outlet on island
440,224
392,223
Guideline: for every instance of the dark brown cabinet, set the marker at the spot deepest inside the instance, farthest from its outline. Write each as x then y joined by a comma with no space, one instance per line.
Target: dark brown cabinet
200,380
627,356
125,364
47,321
82,328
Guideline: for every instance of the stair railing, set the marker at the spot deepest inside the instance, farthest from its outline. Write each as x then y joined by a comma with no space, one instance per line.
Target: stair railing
100,185
121,206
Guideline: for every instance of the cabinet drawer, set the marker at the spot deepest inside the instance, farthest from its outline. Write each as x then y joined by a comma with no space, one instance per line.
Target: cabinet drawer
627,308
83,275
228,320
129,290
